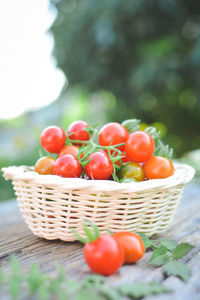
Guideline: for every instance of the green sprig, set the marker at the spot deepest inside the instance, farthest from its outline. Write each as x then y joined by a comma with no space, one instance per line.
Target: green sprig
166,253
132,125
43,287
160,148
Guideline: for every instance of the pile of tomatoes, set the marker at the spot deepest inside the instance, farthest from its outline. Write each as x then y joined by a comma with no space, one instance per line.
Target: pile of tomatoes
114,152
106,253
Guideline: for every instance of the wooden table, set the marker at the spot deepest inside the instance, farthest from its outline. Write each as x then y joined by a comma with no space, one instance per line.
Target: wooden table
16,238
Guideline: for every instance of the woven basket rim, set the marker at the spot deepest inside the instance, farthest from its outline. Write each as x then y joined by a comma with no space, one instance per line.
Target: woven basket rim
182,175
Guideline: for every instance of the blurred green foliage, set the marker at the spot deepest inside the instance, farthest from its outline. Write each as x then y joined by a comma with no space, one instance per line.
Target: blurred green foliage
146,53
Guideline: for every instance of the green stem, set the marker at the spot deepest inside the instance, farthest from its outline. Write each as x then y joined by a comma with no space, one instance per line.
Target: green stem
78,141
84,160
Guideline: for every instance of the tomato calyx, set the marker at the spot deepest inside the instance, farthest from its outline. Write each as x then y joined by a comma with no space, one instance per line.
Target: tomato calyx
92,233
131,125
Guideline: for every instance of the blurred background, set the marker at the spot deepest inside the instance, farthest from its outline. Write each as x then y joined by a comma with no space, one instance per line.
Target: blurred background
100,61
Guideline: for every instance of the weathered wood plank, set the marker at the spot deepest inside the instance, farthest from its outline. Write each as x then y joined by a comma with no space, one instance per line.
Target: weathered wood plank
16,238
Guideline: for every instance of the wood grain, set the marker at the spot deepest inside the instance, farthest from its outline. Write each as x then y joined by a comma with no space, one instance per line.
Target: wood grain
16,238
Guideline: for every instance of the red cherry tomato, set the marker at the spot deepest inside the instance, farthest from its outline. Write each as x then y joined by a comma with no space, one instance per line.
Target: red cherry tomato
100,166
133,246
113,134
77,131
105,255
140,146
45,165
53,139
158,167
69,149
67,166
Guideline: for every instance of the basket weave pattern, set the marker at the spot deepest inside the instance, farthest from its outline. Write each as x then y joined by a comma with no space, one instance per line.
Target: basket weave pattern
52,205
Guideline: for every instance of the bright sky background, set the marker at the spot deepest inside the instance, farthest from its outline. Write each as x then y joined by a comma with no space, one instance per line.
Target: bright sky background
28,78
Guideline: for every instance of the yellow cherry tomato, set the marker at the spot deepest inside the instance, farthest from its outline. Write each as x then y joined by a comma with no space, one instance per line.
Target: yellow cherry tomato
132,170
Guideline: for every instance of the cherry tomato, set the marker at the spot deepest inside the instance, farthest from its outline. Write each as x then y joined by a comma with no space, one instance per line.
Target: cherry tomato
158,167
100,166
113,134
140,146
105,255
67,166
69,149
131,170
133,246
53,139
77,131
45,165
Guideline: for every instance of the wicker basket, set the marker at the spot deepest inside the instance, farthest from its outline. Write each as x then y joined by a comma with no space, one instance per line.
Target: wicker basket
52,205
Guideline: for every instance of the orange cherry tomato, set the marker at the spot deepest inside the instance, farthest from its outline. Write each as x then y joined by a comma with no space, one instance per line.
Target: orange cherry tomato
45,165
158,167
133,246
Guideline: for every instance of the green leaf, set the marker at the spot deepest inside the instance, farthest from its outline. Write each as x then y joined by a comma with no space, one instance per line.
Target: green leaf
169,244
58,280
140,290
181,250
15,278
44,291
94,227
109,293
160,148
163,150
159,256
179,269
131,125
153,132
74,285
86,294
97,282
79,237
109,231
159,260
94,279
35,279
147,242
89,233
63,295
